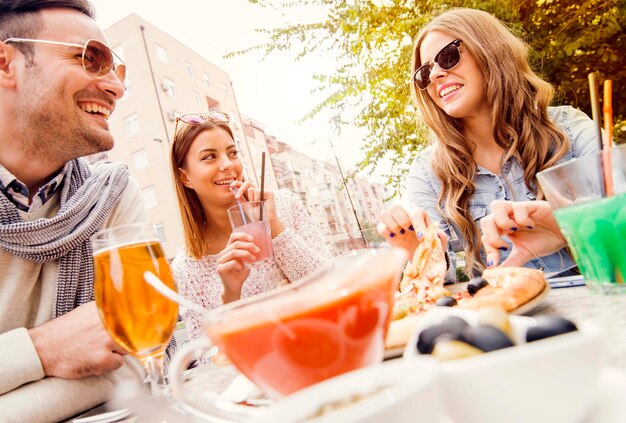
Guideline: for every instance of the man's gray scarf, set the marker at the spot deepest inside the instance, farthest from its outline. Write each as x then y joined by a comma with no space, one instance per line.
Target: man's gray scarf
87,199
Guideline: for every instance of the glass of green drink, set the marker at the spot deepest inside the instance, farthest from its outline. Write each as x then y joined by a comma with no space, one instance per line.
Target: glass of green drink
593,223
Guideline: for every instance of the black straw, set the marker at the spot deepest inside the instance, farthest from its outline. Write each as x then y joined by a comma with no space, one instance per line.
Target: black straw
262,184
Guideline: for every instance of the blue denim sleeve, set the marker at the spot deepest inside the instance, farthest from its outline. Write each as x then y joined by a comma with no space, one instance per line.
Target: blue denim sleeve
578,127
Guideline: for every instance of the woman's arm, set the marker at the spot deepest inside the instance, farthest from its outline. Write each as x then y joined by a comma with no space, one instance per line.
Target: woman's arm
300,248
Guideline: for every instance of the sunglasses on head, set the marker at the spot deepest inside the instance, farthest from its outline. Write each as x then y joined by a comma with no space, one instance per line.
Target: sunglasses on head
98,59
200,118
447,58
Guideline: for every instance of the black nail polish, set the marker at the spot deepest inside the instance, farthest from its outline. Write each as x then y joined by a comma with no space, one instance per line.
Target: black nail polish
402,231
530,227
391,235
513,229
503,248
411,228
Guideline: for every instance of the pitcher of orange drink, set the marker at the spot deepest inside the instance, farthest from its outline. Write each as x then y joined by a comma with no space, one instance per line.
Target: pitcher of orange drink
329,323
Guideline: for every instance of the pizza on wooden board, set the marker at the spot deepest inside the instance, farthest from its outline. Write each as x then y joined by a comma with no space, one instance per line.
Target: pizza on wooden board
423,280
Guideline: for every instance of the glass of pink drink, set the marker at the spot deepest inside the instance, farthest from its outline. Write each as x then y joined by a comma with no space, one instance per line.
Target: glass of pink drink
246,217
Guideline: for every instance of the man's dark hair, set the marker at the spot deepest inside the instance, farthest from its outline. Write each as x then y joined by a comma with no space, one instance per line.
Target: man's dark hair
20,18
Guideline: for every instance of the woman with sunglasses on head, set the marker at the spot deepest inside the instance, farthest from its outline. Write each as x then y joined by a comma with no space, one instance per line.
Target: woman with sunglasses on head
218,265
493,132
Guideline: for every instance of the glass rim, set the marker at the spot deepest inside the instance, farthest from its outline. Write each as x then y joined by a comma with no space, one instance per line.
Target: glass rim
307,287
104,241
582,159
244,204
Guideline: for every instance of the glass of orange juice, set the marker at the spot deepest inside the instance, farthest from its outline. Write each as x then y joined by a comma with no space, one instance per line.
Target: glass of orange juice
324,325
137,317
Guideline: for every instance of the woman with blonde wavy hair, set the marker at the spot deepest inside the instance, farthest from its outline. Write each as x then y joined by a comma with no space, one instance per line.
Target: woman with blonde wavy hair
492,133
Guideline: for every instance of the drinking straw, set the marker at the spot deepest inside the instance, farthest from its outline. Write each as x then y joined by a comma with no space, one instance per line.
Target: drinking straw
608,112
595,106
243,215
595,112
262,184
608,128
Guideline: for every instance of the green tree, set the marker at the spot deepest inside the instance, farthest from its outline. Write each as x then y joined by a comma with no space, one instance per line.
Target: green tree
372,44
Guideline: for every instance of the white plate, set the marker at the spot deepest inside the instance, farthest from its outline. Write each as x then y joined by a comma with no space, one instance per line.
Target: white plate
609,406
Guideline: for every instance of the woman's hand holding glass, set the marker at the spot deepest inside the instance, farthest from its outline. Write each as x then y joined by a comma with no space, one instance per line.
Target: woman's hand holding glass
253,193
531,227
405,227
231,266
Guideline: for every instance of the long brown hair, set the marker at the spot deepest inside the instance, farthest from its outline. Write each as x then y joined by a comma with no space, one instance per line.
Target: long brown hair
191,212
519,100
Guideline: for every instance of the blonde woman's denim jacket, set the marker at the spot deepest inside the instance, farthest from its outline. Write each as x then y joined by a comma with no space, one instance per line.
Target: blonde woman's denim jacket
423,187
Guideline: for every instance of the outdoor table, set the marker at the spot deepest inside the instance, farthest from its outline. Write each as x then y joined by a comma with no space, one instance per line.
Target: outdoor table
580,305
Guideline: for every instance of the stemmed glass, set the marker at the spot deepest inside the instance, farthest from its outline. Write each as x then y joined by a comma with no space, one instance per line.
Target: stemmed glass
137,317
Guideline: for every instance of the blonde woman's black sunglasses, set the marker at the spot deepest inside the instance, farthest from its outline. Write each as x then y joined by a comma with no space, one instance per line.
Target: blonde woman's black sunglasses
447,58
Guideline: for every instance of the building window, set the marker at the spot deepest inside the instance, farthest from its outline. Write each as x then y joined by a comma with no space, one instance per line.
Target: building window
225,89
189,69
149,195
206,78
197,99
168,87
132,124
160,228
161,53
140,159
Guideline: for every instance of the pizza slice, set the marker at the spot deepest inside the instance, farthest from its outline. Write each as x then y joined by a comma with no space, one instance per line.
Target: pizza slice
509,288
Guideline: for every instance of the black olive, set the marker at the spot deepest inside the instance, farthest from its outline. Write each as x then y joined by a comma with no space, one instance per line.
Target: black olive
426,338
548,326
486,337
446,301
475,285
452,327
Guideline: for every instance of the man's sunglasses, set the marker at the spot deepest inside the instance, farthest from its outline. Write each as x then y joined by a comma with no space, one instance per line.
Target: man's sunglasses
200,118
447,58
98,59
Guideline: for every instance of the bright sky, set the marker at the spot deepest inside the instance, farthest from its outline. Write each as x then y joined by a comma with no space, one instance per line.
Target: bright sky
275,91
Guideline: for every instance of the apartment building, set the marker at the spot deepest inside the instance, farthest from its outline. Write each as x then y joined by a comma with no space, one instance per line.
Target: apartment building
167,79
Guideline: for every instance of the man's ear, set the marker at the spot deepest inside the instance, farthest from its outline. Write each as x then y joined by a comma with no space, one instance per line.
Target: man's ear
7,66
184,179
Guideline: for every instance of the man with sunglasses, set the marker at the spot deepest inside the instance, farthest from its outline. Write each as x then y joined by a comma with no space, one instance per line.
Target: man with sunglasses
59,83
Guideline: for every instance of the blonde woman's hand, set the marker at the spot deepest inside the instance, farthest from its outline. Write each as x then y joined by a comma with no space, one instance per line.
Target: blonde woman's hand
531,227
404,228
231,266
